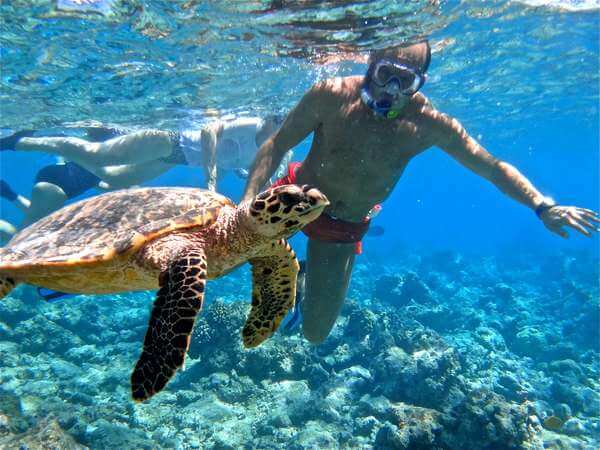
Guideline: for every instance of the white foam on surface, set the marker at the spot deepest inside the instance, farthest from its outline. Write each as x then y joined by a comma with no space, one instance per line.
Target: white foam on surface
567,5
85,6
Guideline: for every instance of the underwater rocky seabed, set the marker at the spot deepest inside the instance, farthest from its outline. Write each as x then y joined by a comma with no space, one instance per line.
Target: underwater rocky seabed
437,351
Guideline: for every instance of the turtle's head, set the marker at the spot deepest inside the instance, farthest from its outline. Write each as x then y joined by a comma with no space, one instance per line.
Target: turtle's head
281,211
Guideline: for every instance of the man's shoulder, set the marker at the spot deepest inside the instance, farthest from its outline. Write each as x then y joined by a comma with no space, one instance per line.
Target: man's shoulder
422,103
427,111
441,126
335,92
338,86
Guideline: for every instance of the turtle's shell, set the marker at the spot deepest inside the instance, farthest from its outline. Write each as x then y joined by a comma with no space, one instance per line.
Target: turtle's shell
108,225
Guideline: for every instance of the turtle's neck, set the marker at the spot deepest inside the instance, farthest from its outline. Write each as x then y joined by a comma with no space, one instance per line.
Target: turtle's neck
241,228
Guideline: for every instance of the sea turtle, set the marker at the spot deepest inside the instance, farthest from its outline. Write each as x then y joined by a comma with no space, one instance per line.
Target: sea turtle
173,239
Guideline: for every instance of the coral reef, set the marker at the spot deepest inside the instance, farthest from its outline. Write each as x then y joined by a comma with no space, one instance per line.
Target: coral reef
459,352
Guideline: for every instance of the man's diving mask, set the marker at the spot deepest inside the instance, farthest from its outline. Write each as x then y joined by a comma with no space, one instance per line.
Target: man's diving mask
396,78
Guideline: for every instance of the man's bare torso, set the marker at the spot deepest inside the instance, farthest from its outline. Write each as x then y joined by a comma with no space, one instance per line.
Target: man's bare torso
357,157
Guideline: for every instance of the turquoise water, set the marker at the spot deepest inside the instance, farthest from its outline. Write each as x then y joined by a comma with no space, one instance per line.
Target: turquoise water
468,324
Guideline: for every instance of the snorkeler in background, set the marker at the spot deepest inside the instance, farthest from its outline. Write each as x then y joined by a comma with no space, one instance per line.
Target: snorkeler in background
122,160
109,159
366,130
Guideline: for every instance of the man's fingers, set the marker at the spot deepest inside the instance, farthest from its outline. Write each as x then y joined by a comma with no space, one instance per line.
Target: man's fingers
591,215
573,223
580,218
584,222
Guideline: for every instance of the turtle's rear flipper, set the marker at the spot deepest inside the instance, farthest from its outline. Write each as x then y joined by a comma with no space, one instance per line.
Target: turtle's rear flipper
273,292
7,284
177,303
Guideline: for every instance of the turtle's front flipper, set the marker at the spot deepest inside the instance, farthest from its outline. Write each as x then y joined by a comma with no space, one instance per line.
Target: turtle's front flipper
273,292
177,303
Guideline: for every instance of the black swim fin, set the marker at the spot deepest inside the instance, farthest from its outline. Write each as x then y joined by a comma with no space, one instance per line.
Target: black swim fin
7,192
51,296
296,314
9,142
295,319
375,231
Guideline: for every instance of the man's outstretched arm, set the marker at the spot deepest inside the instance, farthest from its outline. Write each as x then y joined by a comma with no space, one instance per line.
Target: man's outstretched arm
299,123
454,140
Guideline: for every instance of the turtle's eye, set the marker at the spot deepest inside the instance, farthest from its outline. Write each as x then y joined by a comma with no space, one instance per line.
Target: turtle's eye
290,199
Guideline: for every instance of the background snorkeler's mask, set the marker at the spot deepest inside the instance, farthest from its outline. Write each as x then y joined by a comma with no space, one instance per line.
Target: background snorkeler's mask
394,79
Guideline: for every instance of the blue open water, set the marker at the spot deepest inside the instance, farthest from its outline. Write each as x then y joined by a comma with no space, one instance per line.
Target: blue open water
467,325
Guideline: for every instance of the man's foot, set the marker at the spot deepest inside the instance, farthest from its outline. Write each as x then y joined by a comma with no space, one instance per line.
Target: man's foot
241,173
9,142
7,231
295,315
375,231
7,192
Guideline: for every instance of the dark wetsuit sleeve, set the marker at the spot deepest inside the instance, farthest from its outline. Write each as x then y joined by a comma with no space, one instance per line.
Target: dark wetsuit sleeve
73,179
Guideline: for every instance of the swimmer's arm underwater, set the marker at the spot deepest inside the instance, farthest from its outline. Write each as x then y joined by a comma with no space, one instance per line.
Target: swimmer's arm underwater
299,123
456,142
208,141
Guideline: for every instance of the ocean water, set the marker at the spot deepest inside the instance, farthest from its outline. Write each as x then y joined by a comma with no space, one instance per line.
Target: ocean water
467,325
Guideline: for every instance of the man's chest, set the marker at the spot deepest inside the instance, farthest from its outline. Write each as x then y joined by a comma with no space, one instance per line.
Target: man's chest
388,145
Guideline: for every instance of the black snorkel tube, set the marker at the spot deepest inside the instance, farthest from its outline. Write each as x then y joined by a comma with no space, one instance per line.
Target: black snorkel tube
382,108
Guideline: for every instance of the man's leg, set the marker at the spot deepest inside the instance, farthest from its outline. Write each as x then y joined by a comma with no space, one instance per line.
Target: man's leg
328,270
134,148
45,199
127,175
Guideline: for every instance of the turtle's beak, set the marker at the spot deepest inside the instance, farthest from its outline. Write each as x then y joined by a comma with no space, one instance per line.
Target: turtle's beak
315,197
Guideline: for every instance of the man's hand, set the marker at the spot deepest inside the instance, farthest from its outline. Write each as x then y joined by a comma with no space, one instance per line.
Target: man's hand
208,141
304,119
212,184
581,219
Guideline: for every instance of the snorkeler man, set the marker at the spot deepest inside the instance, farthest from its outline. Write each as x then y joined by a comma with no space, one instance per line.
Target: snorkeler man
111,160
382,121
